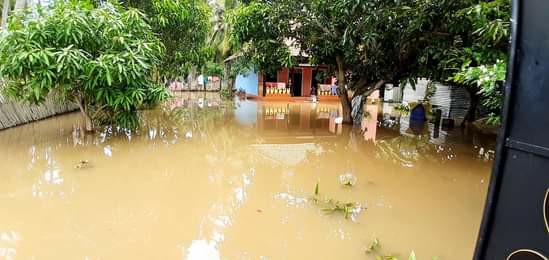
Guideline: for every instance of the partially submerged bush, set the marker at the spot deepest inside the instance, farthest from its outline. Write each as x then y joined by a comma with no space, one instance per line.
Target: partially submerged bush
101,58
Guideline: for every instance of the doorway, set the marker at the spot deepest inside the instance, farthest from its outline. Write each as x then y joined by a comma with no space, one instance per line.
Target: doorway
297,80
314,86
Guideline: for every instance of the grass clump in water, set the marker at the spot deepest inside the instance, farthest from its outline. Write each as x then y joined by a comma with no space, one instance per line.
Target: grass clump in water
375,250
331,206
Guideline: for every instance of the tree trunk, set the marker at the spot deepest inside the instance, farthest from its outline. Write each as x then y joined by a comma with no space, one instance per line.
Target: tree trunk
472,111
5,13
193,83
20,4
89,122
224,83
371,88
342,91
85,113
230,84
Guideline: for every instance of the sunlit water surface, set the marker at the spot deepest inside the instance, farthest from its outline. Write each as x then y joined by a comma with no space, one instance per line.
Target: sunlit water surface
203,179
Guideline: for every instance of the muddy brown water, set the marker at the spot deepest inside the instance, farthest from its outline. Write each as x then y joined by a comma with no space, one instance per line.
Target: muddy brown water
203,179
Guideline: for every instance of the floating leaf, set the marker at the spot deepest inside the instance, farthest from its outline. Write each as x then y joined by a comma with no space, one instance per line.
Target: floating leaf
412,256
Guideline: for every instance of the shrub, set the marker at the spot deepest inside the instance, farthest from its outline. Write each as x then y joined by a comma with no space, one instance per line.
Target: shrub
103,59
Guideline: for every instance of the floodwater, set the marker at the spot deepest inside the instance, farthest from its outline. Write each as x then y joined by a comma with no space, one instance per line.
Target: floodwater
203,179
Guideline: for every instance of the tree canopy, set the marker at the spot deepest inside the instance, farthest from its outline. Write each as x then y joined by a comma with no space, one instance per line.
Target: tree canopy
370,43
101,58
259,38
184,27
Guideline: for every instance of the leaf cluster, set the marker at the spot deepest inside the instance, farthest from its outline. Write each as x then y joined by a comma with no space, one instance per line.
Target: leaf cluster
101,58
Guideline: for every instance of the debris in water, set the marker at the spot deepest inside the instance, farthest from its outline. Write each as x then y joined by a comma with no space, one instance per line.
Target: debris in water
329,206
375,250
348,179
348,209
412,256
189,135
374,246
83,164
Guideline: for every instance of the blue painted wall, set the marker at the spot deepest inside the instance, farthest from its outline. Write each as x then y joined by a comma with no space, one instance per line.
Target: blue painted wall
246,113
248,82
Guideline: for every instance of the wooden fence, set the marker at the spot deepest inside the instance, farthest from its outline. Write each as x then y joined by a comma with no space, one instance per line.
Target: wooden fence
17,113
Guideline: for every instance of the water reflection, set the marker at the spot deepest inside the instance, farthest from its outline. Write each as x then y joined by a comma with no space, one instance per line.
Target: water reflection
287,154
207,179
303,120
219,218
8,244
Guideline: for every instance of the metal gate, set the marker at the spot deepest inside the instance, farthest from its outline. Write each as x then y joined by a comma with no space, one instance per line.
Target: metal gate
515,223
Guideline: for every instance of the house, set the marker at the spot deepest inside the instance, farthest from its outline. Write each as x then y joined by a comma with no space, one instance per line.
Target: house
289,83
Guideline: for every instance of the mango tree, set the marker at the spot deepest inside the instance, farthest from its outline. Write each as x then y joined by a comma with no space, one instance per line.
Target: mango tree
479,61
462,43
183,27
102,59
259,39
359,40
370,43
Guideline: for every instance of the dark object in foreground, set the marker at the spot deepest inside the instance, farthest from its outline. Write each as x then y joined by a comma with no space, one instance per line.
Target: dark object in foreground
515,225
448,124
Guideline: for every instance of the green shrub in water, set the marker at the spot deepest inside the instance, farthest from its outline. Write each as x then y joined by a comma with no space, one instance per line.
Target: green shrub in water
102,59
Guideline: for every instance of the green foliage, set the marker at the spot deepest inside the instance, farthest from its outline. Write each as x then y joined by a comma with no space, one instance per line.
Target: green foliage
227,93
375,250
486,63
486,78
183,26
374,246
330,206
100,58
321,76
373,42
470,49
345,208
363,39
257,37
220,36
213,69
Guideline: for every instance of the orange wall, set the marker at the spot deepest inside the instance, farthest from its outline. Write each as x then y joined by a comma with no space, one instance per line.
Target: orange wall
260,85
307,81
283,75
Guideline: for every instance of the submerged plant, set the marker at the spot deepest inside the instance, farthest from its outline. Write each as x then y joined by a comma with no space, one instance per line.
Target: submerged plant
374,246
330,206
375,250
346,208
